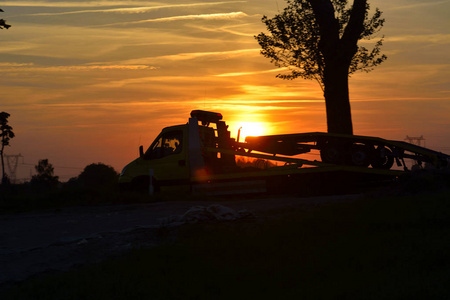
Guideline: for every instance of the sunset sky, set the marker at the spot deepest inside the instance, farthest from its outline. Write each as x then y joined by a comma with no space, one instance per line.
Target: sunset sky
90,81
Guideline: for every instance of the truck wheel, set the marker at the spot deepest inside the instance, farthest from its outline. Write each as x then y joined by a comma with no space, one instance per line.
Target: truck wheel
442,163
383,158
142,184
361,155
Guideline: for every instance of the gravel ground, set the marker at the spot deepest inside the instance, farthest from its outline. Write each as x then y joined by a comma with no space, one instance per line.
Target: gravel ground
58,240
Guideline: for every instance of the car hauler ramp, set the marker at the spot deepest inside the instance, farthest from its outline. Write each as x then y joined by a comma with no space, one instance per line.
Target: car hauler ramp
294,175
342,149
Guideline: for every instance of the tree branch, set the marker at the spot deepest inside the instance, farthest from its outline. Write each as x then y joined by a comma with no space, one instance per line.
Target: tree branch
355,26
328,26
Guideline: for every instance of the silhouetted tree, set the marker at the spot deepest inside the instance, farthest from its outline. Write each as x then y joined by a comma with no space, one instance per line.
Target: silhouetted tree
318,39
3,22
44,175
6,135
98,176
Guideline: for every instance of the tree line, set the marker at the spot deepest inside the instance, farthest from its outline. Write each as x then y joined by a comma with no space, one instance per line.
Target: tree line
93,175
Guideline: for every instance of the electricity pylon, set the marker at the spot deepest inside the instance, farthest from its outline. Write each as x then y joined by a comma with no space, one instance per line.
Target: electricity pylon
12,162
415,140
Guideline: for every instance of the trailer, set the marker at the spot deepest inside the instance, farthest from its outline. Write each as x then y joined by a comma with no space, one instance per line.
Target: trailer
200,156
354,150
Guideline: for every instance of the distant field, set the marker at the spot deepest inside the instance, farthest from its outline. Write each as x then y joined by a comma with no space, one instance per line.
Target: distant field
379,247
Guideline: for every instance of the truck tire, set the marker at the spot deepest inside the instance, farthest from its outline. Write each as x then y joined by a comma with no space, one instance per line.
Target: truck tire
142,184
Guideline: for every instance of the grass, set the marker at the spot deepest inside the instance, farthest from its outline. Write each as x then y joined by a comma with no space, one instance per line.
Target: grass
26,198
375,248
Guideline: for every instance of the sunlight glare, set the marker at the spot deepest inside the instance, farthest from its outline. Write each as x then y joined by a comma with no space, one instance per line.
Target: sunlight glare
251,129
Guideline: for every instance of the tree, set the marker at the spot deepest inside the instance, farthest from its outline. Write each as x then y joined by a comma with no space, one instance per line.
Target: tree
6,135
44,175
318,39
3,22
98,176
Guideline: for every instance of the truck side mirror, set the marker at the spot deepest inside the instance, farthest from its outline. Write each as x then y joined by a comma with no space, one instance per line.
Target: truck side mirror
141,151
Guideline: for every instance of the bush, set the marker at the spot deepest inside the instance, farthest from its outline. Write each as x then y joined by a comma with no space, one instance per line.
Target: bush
98,176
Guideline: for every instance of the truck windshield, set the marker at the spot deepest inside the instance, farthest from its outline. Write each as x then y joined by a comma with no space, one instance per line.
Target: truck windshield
167,144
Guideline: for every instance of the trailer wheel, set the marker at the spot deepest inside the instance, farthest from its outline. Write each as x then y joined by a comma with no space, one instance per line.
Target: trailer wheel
332,154
383,158
361,155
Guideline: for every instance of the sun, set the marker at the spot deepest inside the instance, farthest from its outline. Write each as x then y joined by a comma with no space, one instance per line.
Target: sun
251,129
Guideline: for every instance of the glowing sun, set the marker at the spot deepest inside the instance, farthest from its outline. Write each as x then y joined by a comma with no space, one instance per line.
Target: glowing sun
251,129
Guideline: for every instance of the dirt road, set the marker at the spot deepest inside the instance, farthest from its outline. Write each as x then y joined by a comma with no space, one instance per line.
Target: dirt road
33,243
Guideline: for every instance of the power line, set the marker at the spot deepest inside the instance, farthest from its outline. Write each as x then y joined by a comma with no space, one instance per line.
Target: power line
59,167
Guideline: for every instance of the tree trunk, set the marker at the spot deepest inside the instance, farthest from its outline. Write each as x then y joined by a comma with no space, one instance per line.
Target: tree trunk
3,164
338,54
337,101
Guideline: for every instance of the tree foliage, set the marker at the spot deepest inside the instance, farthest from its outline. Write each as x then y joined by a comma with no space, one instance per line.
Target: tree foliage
304,35
3,22
318,39
45,174
6,135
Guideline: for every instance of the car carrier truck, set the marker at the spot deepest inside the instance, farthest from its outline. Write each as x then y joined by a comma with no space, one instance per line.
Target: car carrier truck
200,156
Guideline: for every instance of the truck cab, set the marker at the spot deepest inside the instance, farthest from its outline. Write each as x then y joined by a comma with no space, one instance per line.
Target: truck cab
178,154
